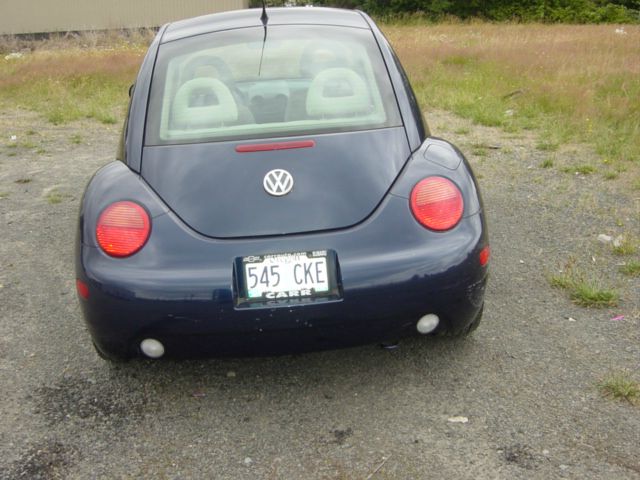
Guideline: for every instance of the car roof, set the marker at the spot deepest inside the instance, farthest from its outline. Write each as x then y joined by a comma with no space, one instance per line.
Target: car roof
251,18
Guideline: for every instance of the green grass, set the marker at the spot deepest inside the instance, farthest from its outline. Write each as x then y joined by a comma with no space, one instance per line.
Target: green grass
589,294
620,386
91,96
547,146
627,246
76,139
568,83
55,196
547,163
68,85
631,269
581,169
583,290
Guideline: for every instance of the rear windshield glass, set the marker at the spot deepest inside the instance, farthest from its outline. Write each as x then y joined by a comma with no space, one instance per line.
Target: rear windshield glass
299,80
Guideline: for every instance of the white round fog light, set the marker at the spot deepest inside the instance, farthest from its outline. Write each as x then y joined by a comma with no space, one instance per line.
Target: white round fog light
428,323
152,348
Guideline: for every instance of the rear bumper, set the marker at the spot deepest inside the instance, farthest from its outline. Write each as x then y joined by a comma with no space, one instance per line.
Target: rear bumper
180,288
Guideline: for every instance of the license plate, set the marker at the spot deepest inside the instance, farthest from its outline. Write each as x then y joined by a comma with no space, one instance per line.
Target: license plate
287,276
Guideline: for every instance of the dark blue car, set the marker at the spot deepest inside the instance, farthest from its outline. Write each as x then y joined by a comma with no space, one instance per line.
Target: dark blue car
277,191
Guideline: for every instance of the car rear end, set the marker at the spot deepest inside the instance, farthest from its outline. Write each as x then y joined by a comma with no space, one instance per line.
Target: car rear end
278,203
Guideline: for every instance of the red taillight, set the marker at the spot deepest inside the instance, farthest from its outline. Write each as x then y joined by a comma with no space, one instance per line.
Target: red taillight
484,256
437,203
82,289
123,229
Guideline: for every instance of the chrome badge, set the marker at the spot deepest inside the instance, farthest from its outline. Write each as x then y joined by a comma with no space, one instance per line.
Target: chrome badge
278,182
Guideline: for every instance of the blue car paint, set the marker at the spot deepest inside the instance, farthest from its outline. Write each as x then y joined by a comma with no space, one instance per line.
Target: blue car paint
181,288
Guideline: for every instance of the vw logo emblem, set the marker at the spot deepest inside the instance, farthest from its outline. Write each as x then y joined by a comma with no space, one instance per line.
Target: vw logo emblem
278,182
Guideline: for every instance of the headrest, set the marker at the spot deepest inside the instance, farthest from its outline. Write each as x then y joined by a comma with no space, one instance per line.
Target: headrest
203,102
337,92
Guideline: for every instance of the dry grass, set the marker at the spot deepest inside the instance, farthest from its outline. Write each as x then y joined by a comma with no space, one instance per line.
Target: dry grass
570,83
71,77
69,64
574,82
107,39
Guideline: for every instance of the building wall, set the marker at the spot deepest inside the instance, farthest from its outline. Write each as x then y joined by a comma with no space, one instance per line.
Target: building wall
38,16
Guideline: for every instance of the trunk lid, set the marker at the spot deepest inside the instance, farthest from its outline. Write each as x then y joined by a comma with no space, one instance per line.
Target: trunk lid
219,192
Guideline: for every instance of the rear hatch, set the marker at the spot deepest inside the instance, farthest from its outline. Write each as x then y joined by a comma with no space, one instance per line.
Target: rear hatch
326,85
219,192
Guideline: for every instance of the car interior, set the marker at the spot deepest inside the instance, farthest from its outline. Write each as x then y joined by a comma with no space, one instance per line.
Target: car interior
209,93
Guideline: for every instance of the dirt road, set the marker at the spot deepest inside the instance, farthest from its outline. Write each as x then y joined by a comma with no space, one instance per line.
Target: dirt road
526,381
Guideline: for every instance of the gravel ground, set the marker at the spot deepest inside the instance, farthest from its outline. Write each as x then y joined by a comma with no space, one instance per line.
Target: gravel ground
526,381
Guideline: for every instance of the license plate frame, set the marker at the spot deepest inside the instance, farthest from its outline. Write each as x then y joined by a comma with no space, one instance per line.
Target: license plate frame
287,293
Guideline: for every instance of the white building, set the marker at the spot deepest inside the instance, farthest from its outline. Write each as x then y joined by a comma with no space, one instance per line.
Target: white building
39,16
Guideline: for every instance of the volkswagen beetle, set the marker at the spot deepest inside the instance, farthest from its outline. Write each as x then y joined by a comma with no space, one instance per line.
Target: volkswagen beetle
276,191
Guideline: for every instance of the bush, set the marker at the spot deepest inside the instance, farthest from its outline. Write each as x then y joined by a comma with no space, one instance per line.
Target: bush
548,11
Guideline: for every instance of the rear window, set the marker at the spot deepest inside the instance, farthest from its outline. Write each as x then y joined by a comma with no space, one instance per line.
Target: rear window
298,80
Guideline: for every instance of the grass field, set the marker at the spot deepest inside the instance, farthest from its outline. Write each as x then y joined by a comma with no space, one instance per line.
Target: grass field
566,83
571,83
68,79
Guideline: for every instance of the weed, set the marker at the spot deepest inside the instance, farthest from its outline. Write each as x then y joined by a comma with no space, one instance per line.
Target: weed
561,280
31,132
585,169
4,195
611,175
581,169
71,84
22,181
631,269
27,144
461,131
479,151
589,294
54,197
547,146
76,139
580,85
626,246
620,386
40,151
458,60
584,291
547,163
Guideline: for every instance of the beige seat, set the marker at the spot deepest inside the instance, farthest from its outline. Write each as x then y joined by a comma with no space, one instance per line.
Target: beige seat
203,102
338,92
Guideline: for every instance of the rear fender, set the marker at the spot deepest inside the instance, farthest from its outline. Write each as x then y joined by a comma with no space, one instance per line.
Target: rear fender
112,183
436,157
